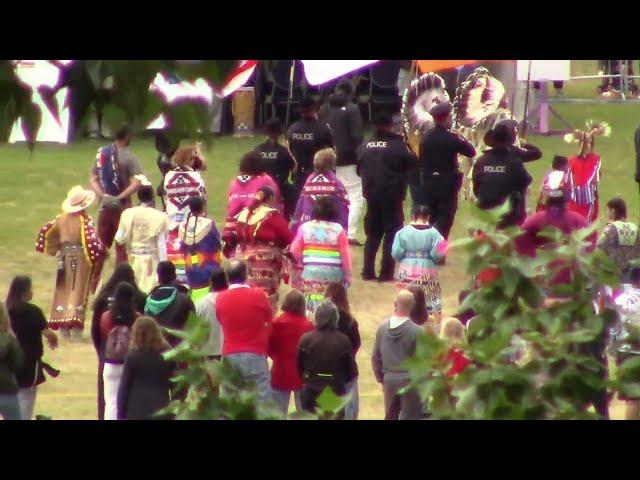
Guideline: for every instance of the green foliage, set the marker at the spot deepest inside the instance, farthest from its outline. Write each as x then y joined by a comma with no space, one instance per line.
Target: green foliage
15,102
531,359
330,405
119,89
214,390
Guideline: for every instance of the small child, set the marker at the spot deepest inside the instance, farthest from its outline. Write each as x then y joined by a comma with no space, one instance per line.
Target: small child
453,333
553,180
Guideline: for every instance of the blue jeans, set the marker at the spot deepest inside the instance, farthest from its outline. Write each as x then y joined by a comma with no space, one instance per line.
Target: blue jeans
10,407
352,408
253,369
282,397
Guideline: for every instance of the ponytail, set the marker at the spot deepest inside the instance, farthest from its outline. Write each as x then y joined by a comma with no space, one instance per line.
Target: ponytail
186,226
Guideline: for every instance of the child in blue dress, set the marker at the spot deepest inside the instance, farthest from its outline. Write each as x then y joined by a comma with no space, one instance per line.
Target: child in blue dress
418,248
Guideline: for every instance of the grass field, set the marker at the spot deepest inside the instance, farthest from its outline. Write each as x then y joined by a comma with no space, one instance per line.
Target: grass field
34,184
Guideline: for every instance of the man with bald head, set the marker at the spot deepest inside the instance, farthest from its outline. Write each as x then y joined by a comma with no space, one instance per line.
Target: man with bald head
396,342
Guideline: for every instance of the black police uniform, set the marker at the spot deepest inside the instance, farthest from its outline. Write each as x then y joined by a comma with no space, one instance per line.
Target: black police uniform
528,152
384,165
278,163
343,117
497,176
441,178
306,137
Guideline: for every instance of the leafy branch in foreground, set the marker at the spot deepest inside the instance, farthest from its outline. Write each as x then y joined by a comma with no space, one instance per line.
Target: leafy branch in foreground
118,90
531,357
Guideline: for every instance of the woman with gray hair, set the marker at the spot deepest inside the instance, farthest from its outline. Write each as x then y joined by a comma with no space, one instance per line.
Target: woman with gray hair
323,182
325,358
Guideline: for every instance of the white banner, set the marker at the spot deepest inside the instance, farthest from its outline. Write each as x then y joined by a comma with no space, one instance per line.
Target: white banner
323,71
544,70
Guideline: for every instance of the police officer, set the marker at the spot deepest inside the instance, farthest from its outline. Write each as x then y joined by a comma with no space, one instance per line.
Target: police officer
278,162
525,151
305,138
439,150
384,164
499,175
345,122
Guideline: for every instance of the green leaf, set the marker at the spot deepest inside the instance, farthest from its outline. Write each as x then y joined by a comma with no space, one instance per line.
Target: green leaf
329,402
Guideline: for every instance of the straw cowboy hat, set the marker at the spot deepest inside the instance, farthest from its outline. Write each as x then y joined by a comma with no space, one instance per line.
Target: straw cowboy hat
78,199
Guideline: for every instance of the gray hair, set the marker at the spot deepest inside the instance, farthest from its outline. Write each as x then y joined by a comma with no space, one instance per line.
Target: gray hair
325,160
326,316
237,271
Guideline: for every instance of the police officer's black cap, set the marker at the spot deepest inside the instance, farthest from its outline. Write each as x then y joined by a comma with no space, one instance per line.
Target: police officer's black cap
440,110
383,119
272,126
307,103
500,135
513,124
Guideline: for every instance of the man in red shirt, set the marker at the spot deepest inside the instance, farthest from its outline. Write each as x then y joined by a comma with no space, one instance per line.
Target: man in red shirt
245,315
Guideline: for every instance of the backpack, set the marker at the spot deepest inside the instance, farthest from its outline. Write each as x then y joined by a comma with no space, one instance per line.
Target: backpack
117,344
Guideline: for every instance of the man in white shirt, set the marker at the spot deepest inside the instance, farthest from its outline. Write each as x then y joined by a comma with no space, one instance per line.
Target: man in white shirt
206,310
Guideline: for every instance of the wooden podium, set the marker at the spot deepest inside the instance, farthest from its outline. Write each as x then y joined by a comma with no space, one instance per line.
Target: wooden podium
243,107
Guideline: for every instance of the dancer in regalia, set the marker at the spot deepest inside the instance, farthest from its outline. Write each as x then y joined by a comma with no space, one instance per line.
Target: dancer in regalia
321,250
181,184
262,233
418,248
143,231
200,245
584,170
242,192
73,238
323,182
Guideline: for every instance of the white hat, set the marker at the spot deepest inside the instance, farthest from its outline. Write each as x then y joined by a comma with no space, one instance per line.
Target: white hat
78,199
144,181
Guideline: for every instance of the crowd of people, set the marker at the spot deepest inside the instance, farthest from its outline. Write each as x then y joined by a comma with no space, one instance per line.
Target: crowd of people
292,216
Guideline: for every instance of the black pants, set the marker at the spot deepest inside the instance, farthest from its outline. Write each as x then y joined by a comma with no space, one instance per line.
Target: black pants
383,220
441,195
290,196
299,179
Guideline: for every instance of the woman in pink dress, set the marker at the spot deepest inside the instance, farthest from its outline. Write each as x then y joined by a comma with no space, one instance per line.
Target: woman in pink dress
242,192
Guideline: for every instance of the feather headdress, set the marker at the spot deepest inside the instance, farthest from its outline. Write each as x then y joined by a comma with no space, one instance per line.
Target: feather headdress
586,138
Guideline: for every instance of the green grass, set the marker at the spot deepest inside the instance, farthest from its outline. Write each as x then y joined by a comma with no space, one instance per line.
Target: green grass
34,184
